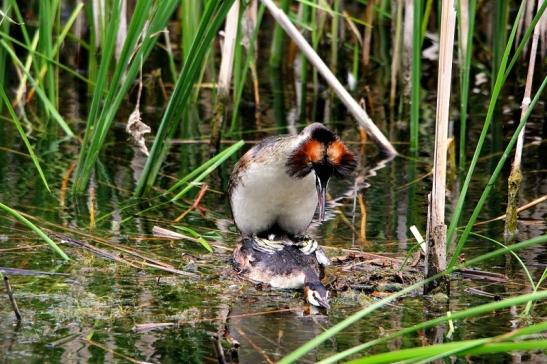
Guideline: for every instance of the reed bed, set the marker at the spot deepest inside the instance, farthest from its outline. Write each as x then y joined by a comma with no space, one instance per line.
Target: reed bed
330,51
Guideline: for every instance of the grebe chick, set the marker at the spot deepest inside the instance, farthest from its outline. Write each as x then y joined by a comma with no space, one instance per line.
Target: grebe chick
288,268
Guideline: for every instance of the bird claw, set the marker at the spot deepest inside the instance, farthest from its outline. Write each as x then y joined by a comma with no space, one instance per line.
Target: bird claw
307,245
267,246
322,258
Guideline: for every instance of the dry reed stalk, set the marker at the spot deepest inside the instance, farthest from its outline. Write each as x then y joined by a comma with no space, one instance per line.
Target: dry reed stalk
408,25
228,49
22,88
525,21
515,178
395,57
519,210
363,226
225,73
122,30
91,201
353,106
436,252
464,26
98,7
64,184
249,23
543,35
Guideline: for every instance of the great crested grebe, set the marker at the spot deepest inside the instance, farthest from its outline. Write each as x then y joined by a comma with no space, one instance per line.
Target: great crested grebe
288,268
278,184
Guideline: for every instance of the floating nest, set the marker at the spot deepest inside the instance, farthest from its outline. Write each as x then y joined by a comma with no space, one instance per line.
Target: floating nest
370,273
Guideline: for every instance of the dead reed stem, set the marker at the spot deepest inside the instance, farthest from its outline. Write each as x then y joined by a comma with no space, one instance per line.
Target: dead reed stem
225,74
436,253
395,57
353,106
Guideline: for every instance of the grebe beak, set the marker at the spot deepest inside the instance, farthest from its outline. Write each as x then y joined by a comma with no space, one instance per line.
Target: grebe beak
323,302
321,196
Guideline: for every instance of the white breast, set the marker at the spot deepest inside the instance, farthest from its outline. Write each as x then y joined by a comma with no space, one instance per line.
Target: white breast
266,195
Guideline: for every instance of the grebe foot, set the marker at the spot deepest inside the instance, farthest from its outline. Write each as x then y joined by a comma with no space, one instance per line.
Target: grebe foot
307,245
322,258
266,245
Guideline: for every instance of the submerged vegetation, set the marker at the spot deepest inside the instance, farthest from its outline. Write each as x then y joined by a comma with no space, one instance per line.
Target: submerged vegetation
121,120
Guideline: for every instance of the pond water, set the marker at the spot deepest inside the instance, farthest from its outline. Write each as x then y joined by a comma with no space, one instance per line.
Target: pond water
88,309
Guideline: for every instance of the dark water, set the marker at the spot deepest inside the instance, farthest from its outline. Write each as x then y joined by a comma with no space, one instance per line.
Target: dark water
95,298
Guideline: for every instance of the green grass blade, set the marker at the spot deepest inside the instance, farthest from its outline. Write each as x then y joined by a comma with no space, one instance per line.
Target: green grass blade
217,161
211,20
4,27
466,347
489,115
494,176
487,348
100,84
41,94
45,30
202,167
464,82
276,53
17,124
53,61
127,66
34,228
326,335
471,312
196,235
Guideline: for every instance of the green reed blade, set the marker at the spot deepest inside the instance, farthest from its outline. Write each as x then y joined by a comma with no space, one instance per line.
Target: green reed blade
40,92
23,28
216,161
468,347
4,27
45,44
127,68
211,20
459,315
30,49
415,81
191,13
465,71
326,335
491,182
34,228
425,351
17,124
101,83
277,49
503,70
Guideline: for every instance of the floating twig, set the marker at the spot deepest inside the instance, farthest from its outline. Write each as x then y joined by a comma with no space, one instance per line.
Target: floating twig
519,210
196,203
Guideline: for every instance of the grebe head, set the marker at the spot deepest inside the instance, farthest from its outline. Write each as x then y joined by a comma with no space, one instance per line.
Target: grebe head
316,294
323,152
